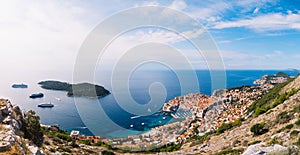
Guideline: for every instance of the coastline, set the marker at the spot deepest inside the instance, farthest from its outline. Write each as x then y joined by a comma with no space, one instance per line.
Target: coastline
68,100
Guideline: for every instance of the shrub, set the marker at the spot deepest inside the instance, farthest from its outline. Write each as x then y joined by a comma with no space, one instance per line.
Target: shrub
274,141
260,110
296,108
289,126
294,133
297,122
52,150
74,145
105,152
226,126
86,142
258,129
283,117
64,149
32,129
254,142
64,137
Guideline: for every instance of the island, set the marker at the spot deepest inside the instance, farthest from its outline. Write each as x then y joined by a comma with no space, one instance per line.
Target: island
19,85
79,90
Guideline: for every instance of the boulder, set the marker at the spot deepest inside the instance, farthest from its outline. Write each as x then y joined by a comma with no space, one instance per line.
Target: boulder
4,111
4,146
7,120
35,150
258,149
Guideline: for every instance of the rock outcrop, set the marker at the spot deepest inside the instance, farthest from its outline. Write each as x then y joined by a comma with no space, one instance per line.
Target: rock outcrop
259,149
11,126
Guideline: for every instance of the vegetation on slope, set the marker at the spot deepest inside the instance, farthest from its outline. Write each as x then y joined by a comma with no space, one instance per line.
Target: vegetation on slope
265,103
32,130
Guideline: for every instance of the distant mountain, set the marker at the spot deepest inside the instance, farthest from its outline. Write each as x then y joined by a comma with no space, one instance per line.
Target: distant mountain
81,89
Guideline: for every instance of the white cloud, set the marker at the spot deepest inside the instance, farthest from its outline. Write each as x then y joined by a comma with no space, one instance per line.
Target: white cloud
178,4
268,22
224,41
37,34
271,60
256,11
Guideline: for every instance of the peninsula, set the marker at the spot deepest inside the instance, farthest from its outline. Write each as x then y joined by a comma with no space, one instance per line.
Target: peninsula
80,90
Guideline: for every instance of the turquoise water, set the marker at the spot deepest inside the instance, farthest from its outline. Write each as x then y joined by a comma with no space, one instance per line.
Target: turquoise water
105,116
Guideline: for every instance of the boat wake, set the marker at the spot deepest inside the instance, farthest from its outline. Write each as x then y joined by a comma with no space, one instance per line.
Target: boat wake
133,117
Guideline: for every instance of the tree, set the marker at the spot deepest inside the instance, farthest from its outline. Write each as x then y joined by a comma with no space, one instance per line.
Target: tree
33,129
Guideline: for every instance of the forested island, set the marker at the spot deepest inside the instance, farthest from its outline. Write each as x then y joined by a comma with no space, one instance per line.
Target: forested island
81,89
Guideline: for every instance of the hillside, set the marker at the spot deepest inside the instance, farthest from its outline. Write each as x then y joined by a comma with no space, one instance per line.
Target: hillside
280,128
22,133
14,129
273,128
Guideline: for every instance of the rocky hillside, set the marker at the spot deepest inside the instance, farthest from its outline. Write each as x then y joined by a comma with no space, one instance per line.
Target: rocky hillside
295,84
12,129
274,132
21,133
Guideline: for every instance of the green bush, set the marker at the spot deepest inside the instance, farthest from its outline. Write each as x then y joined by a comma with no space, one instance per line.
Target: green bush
64,137
32,129
60,135
105,152
297,122
294,133
258,129
166,148
261,110
86,142
64,149
200,139
296,108
283,117
274,141
254,142
52,150
226,126
290,126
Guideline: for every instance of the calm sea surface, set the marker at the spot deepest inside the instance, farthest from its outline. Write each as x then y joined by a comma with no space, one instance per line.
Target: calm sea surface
105,116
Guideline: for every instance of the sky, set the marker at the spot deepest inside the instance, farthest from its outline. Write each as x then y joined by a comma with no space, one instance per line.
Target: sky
47,35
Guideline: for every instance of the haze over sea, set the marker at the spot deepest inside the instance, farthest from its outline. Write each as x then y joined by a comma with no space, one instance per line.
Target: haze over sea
65,113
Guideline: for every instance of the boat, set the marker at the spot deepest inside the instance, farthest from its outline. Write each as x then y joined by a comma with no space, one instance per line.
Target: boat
131,126
46,105
39,95
19,85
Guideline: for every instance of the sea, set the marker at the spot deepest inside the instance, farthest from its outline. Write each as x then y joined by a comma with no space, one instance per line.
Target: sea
111,117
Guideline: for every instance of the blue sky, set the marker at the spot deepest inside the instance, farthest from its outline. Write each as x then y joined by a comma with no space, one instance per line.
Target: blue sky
256,34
